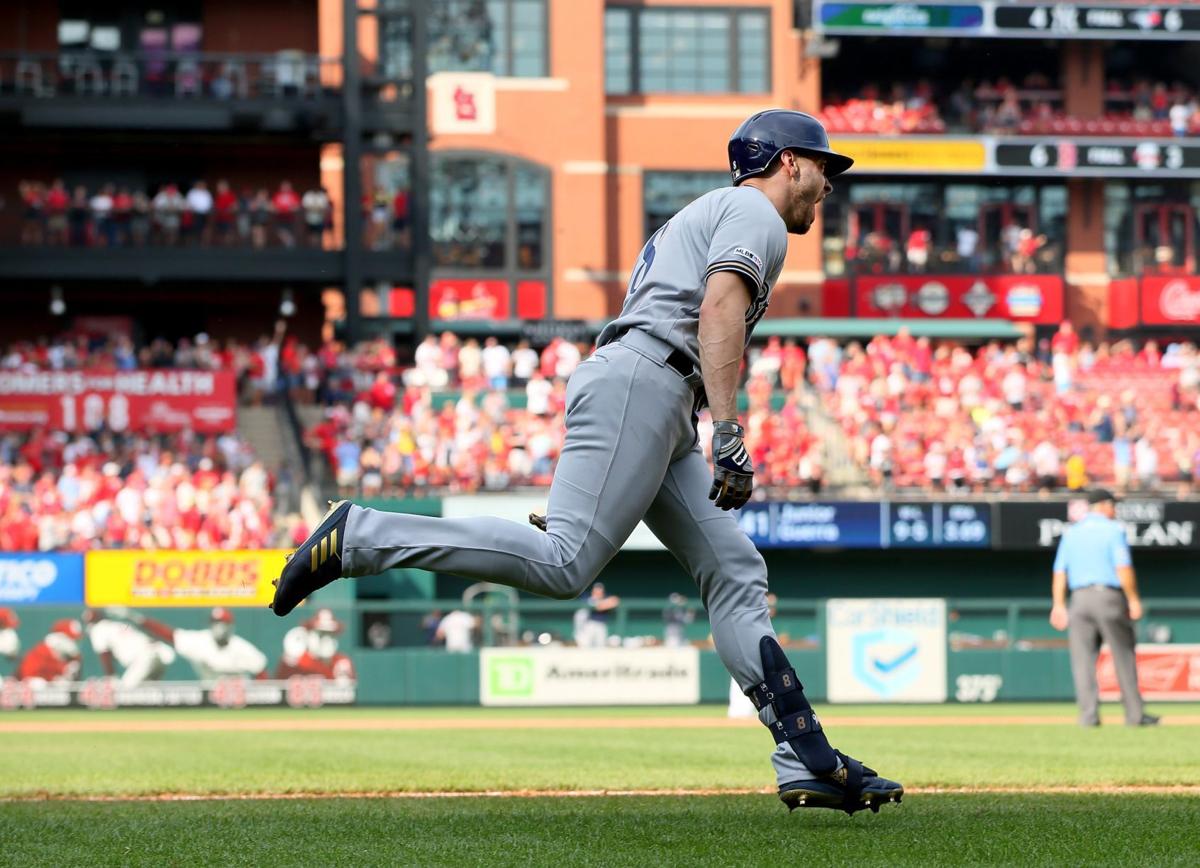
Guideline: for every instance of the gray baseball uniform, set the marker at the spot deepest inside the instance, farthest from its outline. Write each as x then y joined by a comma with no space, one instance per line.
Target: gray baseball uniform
631,451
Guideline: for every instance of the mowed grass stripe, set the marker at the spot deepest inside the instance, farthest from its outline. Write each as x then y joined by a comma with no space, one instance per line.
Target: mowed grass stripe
1033,830
574,758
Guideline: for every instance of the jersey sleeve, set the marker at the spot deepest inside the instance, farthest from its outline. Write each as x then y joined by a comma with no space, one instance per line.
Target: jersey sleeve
250,659
749,239
100,636
191,644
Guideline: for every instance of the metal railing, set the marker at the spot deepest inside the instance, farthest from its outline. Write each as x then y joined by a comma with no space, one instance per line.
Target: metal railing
284,74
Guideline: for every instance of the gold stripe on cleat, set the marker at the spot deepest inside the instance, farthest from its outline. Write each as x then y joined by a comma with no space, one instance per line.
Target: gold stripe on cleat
315,562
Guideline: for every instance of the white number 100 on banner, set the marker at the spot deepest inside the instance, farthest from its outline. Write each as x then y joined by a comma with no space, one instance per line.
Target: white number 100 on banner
95,415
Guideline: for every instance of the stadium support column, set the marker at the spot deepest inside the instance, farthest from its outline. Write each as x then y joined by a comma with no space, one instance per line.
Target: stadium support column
352,134
422,253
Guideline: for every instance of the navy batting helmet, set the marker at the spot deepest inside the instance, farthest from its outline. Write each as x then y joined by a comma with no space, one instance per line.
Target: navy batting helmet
764,136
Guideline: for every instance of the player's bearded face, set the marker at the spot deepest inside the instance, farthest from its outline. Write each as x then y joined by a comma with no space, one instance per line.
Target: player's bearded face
221,631
808,188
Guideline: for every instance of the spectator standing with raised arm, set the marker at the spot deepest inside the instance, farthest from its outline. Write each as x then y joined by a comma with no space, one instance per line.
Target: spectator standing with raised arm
1094,563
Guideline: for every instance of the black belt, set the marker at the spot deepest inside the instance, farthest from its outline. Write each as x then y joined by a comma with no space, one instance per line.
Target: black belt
681,363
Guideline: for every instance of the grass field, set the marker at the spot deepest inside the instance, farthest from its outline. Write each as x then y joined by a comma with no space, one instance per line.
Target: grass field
1012,784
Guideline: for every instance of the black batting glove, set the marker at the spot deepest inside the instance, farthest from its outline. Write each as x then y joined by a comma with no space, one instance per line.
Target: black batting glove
733,473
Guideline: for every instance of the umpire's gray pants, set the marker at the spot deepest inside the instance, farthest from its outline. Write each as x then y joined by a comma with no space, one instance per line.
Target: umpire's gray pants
1098,613
630,454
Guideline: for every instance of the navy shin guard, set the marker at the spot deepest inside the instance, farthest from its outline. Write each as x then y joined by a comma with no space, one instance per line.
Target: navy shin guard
795,721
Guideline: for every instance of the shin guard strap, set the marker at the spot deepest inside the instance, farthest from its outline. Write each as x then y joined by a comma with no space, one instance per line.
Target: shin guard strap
797,725
774,686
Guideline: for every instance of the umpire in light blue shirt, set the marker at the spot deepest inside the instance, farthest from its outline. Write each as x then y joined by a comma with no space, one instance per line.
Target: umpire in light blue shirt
1093,561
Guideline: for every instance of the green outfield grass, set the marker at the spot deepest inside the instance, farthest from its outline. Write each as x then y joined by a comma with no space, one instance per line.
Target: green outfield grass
593,749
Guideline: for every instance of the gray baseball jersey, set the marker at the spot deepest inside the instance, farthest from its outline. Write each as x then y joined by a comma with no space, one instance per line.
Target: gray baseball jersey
630,454
731,229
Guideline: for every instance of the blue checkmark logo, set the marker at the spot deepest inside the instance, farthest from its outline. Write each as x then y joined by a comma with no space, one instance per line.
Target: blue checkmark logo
886,661
888,666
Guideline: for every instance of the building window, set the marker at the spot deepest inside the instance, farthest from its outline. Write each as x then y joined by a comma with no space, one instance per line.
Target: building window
685,50
664,193
1152,227
489,212
895,227
504,37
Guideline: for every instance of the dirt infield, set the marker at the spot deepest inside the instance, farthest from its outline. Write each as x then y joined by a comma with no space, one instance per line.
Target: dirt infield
1099,789
100,725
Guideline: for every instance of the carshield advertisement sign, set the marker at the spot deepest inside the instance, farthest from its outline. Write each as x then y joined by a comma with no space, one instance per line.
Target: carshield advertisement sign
886,650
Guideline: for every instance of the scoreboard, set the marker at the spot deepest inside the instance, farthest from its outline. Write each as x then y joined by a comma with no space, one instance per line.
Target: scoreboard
868,525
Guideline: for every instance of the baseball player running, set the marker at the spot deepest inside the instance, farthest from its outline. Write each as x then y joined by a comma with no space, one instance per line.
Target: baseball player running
698,288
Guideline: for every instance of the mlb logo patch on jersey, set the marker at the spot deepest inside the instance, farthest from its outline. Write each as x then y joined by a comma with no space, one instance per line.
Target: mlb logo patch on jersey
749,254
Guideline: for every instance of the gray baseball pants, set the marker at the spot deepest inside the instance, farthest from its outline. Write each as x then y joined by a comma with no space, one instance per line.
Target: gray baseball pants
630,454
1098,613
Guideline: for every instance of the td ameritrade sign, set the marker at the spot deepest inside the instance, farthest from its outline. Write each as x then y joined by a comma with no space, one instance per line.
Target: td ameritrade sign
586,676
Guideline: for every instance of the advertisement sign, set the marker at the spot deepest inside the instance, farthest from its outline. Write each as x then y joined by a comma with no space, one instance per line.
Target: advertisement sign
1122,158
204,401
914,154
1030,19
40,578
585,676
469,299
1171,300
886,650
1165,672
173,578
813,525
1149,523
892,18
105,693
463,102
1036,298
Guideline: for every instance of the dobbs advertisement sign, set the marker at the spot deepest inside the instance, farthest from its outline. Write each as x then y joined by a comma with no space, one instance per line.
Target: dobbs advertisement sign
170,578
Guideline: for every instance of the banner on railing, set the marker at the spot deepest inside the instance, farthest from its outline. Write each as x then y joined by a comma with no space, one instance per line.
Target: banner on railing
182,578
34,577
1036,298
1164,672
585,676
1149,522
300,691
141,400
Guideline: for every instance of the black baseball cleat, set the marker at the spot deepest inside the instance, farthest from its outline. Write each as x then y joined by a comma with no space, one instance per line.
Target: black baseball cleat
853,787
1148,720
316,563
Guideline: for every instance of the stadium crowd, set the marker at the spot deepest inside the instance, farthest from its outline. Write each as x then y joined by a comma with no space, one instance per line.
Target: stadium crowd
116,215
386,430
1023,416
1138,107
1058,413
466,416
74,492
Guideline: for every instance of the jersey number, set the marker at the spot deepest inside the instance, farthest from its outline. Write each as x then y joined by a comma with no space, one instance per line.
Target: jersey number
643,267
